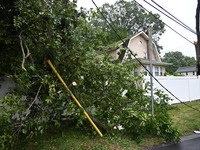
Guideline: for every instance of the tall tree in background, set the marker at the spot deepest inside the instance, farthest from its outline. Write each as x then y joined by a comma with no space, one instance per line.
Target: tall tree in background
178,60
128,18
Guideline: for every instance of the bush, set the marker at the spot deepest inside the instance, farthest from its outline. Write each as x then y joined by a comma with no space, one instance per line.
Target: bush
100,87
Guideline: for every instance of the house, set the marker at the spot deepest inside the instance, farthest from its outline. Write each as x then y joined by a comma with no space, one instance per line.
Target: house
138,44
188,70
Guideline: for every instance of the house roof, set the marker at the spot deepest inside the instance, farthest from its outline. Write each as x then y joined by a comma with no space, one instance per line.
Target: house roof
146,62
127,40
146,37
186,69
117,44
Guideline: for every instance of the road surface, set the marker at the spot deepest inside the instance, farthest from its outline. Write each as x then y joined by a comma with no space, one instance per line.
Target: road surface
191,142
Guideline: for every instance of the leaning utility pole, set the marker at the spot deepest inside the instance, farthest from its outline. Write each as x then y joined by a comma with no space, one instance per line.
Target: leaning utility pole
197,44
151,67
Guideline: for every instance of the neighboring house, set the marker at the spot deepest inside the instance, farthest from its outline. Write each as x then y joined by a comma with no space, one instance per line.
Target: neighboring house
188,71
138,44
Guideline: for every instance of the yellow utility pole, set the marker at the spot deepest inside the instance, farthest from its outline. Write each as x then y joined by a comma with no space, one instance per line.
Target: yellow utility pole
74,98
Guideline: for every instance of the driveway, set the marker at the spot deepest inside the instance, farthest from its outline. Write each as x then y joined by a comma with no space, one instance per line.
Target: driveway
191,142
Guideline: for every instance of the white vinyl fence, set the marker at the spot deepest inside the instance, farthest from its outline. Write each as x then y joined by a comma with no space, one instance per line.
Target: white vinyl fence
185,88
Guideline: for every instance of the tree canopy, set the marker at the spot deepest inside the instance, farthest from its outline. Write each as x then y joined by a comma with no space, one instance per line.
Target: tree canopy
178,60
128,18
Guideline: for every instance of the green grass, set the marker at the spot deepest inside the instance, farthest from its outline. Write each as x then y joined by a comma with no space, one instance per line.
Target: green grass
185,120
72,139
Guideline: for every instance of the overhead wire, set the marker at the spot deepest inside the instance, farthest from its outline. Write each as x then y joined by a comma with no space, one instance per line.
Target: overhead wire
115,31
182,23
165,23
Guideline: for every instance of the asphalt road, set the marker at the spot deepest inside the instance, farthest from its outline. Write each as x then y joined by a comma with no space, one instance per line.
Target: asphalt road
188,143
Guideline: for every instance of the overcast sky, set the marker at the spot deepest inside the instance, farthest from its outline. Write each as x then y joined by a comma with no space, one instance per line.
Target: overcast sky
184,10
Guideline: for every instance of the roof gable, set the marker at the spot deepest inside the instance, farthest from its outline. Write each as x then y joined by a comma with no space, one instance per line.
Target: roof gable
127,42
142,33
145,36
186,69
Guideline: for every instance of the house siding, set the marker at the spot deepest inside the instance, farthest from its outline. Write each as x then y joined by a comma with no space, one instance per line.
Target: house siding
139,46
193,73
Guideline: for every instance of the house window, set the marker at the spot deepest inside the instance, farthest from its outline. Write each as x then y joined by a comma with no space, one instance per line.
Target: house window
135,71
161,71
186,73
129,55
156,71
140,42
145,55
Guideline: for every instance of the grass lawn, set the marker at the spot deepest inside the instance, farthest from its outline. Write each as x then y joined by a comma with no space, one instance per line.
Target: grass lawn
184,118
70,139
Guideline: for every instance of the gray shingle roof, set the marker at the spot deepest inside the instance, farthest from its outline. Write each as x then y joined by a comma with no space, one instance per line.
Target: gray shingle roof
147,62
186,69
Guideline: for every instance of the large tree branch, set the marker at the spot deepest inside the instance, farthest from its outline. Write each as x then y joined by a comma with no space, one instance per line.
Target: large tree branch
36,97
25,56
27,112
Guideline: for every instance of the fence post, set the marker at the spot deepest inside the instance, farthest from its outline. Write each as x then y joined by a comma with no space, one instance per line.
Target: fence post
189,88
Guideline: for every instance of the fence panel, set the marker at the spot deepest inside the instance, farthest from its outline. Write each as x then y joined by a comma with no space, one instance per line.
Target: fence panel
185,88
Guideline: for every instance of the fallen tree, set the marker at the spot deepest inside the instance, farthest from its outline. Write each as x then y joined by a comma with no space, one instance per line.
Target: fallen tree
58,31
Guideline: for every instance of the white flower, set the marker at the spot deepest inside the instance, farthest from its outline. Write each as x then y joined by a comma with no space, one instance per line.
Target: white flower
74,83
41,13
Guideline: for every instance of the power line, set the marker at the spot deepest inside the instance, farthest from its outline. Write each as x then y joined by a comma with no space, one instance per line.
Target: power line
165,23
190,29
139,60
178,22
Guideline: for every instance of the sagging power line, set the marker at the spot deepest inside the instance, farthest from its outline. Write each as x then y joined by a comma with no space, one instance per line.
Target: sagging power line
165,23
171,16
